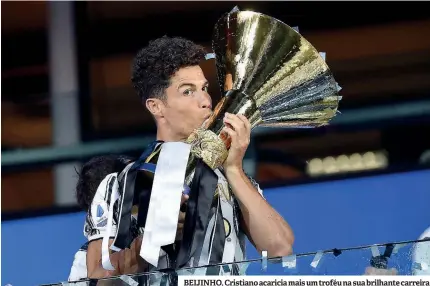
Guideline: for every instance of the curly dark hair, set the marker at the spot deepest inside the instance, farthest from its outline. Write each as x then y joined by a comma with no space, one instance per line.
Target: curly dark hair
92,174
156,63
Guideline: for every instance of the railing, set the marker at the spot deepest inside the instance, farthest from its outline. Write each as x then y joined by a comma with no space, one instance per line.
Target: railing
398,258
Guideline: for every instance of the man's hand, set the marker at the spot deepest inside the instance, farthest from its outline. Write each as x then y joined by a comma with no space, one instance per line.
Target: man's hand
239,130
377,271
181,219
128,260
265,228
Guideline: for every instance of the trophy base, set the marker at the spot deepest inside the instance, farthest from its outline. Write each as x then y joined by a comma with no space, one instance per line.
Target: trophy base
208,146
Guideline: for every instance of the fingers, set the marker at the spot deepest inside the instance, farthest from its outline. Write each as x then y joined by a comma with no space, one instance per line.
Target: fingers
246,121
377,271
121,262
140,265
240,118
231,133
179,232
237,124
137,243
181,217
184,198
240,131
127,260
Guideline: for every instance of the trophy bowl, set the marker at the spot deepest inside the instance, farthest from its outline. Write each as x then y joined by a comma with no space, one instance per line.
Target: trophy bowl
270,74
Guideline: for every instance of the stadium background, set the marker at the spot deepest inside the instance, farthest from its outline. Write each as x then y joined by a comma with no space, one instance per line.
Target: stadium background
66,97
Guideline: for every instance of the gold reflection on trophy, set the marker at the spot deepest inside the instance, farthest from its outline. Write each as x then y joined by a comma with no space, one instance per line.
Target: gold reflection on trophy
269,73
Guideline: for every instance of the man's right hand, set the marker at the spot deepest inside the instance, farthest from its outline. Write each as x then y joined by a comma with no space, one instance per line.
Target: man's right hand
128,261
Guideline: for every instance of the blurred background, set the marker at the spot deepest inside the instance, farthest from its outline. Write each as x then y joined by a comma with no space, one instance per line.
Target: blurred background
66,97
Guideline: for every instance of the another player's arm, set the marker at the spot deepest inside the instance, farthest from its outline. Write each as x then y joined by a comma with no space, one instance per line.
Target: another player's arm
127,261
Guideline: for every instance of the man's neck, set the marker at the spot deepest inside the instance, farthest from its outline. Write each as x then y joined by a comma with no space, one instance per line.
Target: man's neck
168,136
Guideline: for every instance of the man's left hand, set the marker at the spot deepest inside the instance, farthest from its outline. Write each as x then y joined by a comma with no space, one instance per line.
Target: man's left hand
239,130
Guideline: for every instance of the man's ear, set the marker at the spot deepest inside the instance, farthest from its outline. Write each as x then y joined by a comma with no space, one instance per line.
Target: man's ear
155,106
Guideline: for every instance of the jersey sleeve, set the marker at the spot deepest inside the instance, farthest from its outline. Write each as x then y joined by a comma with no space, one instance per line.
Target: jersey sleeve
97,216
79,266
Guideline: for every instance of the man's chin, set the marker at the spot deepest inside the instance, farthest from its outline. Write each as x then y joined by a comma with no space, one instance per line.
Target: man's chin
204,123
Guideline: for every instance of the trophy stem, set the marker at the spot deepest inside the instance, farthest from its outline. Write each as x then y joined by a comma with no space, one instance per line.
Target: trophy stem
209,142
235,102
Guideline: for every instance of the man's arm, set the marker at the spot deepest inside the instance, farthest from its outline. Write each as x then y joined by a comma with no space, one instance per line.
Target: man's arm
95,229
266,229
127,261
264,226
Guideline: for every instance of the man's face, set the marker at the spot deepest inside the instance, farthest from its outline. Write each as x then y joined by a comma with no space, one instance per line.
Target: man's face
188,102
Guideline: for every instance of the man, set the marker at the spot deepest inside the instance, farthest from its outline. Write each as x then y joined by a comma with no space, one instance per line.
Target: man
167,77
91,175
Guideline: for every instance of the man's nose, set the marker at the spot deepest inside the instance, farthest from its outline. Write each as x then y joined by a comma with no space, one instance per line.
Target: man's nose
206,101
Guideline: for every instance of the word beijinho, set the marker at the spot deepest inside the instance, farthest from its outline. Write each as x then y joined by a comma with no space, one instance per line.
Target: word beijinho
299,282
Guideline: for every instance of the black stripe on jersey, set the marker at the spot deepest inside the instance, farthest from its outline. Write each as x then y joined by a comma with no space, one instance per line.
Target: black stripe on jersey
97,238
106,191
109,190
89,227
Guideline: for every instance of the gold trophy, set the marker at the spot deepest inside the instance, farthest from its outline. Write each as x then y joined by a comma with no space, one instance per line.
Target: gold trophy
269,73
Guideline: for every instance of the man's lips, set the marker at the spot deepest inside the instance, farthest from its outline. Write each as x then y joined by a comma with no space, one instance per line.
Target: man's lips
206,120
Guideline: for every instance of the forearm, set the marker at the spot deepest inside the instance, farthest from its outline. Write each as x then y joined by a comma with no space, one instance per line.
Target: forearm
266,228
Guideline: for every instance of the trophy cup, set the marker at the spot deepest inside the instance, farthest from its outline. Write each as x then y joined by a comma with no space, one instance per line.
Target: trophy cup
270,74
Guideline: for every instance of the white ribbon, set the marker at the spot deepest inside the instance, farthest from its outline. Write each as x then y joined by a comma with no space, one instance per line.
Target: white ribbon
164,204
317,259
230,246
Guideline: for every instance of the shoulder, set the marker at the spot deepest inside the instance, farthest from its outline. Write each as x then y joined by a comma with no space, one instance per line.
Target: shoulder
97,215
101,202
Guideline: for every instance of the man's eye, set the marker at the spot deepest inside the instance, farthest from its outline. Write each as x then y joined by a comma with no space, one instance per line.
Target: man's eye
188,92
206,88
